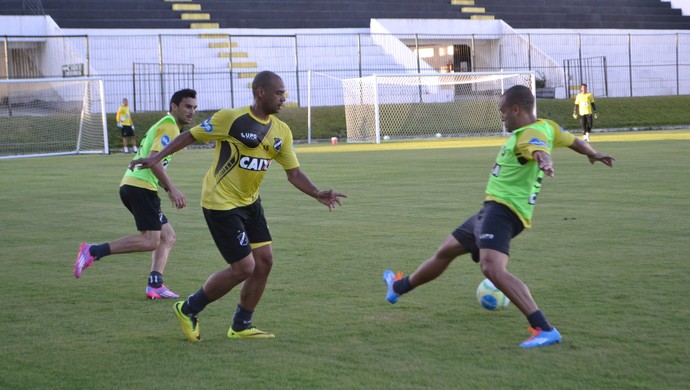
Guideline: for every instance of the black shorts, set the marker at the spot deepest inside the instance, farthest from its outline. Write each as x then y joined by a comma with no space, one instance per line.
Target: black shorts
493,227
586,122
127,131
145,206
235,230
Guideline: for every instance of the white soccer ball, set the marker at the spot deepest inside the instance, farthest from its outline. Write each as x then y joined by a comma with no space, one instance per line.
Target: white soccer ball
386,137
490,297
439,135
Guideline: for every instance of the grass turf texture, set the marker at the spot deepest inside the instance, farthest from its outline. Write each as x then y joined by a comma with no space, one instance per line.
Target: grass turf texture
606,261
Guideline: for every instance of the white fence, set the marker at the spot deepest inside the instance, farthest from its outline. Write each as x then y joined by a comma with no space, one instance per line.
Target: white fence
224,64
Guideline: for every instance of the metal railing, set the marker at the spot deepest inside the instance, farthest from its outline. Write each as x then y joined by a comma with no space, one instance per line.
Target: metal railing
613,65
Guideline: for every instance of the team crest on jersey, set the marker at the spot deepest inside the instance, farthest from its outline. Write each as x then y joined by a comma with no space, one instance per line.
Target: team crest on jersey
277,144
165,140
206,125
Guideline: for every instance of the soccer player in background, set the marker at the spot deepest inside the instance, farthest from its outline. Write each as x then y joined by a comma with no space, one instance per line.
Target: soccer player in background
139,193
126,126
514,183
584,105
247,140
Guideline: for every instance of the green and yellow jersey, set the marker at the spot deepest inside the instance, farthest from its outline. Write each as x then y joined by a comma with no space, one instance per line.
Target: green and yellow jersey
158,136
515,180
123,116
584,102
245,148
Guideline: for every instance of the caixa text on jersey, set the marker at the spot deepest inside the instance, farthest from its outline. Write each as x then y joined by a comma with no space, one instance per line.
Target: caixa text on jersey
254,164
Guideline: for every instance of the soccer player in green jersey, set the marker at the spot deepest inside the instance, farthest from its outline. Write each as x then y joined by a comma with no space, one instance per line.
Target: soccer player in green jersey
514,183
139,193
585,107
247,140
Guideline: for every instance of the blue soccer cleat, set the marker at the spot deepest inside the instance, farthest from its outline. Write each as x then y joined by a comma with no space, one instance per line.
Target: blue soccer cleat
389,277
541,338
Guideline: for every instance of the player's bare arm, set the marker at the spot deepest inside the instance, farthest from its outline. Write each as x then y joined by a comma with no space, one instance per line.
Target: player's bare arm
544,161
180,142
327,197
585,148
176,196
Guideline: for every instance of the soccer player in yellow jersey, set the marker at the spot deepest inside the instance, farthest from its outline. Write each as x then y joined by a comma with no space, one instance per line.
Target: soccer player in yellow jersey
585,107
126,126
248,140
514,183
139,193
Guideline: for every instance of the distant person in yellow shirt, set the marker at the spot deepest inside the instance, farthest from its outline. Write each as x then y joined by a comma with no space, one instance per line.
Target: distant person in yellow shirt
124,123
584,105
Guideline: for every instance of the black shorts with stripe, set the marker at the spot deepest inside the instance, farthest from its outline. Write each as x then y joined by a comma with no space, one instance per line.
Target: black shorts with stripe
234,231
493,227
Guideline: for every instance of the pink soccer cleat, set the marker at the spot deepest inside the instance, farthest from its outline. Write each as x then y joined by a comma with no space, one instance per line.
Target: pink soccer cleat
84,260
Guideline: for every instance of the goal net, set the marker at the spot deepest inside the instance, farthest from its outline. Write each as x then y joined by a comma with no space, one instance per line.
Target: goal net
416,106
46,117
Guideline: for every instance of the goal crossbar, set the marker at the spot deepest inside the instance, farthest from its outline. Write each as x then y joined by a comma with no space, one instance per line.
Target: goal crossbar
403,106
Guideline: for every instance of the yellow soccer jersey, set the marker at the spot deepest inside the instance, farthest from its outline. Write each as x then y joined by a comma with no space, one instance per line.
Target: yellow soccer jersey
584,103
124,117
245,147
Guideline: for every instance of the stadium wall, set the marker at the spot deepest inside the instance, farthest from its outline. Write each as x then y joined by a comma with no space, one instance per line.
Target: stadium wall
221,63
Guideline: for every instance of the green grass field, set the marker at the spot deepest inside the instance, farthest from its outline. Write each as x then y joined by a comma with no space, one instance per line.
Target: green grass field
607,261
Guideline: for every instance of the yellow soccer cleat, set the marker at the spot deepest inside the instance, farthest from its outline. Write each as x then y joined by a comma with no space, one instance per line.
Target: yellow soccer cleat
190,325
249,333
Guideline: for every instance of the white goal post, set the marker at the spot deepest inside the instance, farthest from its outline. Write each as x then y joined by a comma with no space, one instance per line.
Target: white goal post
52,116
416,106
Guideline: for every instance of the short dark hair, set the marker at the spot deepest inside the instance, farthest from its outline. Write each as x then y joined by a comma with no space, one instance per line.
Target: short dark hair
583,85
263,79
520,95
178,96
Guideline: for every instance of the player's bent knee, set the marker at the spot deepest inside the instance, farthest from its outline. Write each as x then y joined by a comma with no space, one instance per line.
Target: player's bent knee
244,268
168,240
263,257
492,268
263,261
152,245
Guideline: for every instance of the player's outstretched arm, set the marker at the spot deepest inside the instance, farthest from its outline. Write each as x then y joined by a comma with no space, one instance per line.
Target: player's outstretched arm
544,161
327,197
585,148
178,199
180,142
